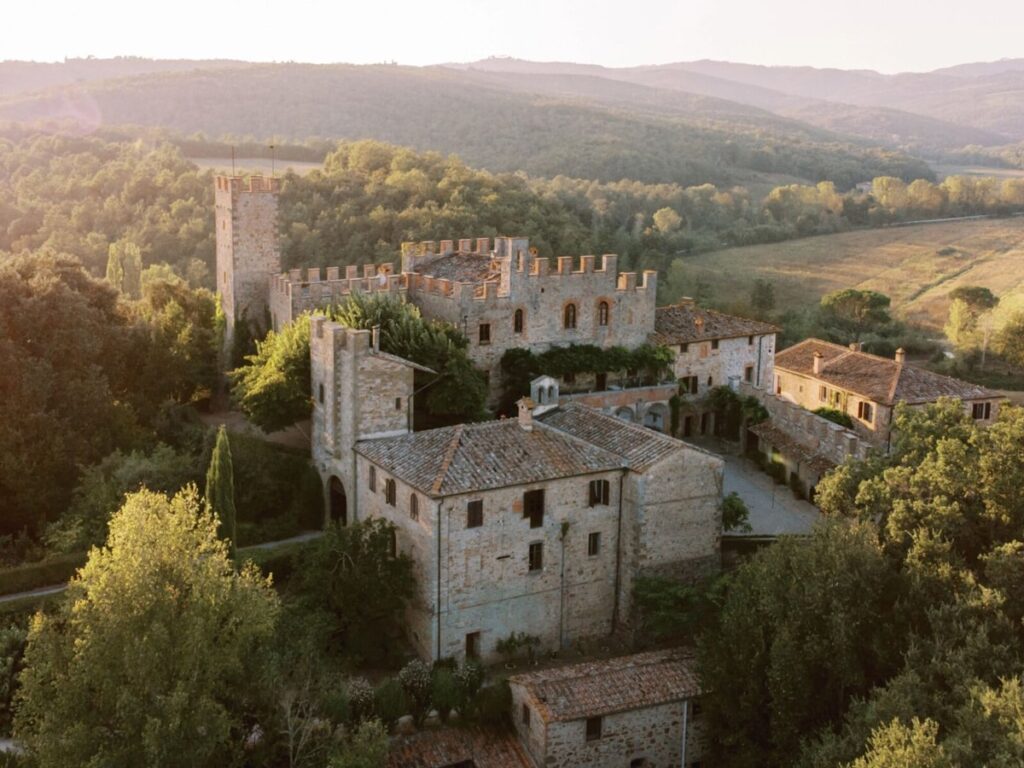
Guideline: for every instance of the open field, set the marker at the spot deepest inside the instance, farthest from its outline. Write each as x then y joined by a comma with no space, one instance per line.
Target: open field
245,165
977,170
916,265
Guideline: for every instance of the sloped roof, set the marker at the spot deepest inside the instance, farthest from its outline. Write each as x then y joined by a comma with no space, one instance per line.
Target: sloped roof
686,323
612,685
454,746
792,447
460,268
877,378
637,446
477,457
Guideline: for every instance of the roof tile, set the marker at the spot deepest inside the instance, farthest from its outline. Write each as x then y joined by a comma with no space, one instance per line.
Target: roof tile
686,323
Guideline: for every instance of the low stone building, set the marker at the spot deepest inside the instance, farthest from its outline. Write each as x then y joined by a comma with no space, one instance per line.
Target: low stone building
537,525
640,711
819,374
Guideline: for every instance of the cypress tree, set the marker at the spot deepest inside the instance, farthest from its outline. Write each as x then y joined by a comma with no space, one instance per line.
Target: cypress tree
220,488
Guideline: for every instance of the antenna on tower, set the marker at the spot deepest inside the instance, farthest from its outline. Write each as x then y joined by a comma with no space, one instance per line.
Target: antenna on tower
273,174
232,159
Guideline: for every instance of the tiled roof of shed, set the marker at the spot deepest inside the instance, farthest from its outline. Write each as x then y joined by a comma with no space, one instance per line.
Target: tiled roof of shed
878,378
455,746
477,457
792,447
638,446
686,323
460,268
612,685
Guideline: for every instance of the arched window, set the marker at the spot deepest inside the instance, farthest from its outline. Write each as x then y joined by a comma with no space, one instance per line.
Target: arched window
414,506
517,321
602,313
389,491
569,316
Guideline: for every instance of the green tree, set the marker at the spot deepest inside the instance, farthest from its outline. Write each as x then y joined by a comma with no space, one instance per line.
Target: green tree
1010,340
368,747
220,490
667,220
851,313
154,656
762,297
900,746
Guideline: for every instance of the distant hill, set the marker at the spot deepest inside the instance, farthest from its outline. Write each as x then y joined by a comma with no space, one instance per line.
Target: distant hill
580,125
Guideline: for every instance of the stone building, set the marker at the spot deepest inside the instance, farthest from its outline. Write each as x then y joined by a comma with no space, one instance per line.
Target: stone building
818,374
640,711
537,524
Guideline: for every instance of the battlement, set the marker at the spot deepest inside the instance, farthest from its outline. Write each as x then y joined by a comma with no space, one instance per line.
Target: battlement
253,183
321,290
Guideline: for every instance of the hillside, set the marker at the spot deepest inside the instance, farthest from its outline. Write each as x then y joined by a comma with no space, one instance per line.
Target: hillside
916,265
562,129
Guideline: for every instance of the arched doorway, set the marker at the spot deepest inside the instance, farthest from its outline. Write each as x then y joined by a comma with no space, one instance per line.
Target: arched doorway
338,503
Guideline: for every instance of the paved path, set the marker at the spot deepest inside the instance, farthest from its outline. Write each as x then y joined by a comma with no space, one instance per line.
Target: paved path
773,508
53,590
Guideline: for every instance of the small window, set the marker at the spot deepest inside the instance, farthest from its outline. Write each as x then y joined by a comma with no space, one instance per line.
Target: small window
473,645
414,506
569,316
599,492
320,393
684,348
981,411
373,479
695,709
711,382
714,343
823,394
398,403
536,556
602,313
526,715
865,411
748,374
533,507
750,341
778,385
389,491
688,385
517,321
475,513
594,544
485,333
593,728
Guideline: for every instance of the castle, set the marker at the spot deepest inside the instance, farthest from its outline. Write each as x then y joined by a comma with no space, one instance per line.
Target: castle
539,524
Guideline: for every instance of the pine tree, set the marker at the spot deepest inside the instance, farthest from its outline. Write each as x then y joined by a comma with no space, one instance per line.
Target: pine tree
220,489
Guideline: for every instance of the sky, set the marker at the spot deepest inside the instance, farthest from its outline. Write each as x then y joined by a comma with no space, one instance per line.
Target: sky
886,35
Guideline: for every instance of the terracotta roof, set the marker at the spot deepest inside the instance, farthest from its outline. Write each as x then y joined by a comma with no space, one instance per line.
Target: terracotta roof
484,456
637,446
686,323
880,379
453,746
460,268
612,685
792,448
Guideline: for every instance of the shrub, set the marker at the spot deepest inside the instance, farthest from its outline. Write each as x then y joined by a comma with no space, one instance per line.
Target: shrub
390,702
416,682
835,416
735,514
334,703
468,679
12,652
493,704
444,692
361,700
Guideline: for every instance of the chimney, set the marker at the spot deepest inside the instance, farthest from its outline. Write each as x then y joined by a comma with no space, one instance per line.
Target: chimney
817,362
901,356
525,413
855,346
375,338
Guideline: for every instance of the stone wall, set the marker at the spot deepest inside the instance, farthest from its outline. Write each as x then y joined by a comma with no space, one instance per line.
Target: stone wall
805,392
294,292
718,367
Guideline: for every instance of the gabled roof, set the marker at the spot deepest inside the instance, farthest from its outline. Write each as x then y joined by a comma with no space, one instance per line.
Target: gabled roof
879,379
611,685
638,447
477,457
446,747
460,268
685,323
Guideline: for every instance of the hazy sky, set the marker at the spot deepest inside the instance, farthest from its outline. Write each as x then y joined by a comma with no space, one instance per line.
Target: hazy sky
888,35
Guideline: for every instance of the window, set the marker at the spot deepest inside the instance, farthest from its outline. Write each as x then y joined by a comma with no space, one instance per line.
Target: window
320,393
602,313
684,348
593,728
711,382
750,341
748,374
594,544
517,321
714,343
414,506
536,556
601,382
569,316
485,333
475,513
389,491
473,645
398,403
373,479
866,412
695,709
823,394
526,715
533,507
688,385
599,492
778,385
981,411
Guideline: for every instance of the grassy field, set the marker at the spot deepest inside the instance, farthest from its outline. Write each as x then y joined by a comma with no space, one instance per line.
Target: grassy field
917,266
977,170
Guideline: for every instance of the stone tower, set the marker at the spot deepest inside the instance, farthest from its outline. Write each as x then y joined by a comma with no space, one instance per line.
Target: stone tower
248,251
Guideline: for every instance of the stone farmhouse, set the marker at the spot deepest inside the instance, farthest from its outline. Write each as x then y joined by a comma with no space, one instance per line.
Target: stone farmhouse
502,296
537,524
639,711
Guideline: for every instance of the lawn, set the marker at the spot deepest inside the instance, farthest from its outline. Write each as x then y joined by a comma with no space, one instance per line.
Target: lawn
917,266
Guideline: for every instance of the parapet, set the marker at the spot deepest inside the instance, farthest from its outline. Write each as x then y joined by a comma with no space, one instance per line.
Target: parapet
307,288
253,183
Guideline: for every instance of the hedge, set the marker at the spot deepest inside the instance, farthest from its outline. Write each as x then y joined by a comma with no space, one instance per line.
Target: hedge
46,573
